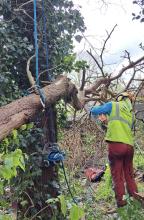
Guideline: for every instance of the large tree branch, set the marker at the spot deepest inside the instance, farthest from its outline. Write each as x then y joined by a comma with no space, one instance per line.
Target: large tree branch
23,110
107,80
96,85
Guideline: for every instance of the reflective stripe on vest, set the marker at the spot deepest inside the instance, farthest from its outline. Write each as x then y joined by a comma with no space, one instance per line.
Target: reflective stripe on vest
118,117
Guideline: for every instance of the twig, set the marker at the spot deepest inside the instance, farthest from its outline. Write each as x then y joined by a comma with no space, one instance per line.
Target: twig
32,204
104,45
131,79
99,66
28,2
40,212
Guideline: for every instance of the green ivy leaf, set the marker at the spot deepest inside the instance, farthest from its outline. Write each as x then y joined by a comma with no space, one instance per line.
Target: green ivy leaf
11,162
6,142
30,126
18,159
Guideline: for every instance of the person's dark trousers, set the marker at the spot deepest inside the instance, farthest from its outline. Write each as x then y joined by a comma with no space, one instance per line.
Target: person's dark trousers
121,163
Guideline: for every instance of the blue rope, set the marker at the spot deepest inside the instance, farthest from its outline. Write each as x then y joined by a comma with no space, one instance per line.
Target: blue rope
40,91
45,38
58,156
68,186
36,40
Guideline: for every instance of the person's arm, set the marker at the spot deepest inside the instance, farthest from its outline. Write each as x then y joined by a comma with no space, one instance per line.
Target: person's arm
101,109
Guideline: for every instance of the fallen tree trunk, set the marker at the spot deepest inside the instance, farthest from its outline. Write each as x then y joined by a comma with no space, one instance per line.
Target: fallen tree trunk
23,110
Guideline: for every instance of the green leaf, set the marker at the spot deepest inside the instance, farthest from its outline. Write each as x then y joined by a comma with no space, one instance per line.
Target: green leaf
14,132
63,204
6,173
30,126
6,142
11,162
76,212
18,159
23,127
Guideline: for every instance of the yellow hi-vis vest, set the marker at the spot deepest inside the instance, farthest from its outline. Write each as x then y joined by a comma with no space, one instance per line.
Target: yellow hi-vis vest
120,123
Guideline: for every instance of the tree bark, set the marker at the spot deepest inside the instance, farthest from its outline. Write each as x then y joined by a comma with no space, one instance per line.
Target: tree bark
23,110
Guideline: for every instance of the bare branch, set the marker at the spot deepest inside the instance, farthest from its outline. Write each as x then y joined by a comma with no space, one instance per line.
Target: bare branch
139,88
46,207
83,80
139,80
99,66
103,48
131,65
131,79
26,3
24,11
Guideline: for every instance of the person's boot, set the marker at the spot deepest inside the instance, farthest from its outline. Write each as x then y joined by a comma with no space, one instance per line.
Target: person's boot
121,203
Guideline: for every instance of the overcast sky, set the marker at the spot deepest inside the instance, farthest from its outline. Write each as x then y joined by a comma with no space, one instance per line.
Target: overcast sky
127,35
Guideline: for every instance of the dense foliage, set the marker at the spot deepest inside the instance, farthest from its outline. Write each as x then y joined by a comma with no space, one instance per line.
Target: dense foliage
63,23
14,53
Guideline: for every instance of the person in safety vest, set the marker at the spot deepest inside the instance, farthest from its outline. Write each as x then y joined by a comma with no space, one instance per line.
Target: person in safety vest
120,139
